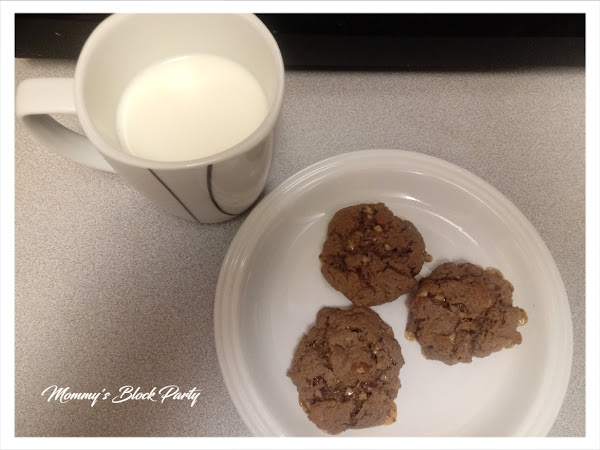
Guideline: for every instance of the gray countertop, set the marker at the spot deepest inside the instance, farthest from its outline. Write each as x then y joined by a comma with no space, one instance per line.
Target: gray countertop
111,291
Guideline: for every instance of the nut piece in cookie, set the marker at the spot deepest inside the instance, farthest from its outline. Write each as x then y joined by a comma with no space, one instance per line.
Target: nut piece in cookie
370,255
461,311
346,370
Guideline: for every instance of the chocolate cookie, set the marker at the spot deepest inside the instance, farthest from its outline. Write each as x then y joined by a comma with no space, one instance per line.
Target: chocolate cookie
461,311
370,255
346,370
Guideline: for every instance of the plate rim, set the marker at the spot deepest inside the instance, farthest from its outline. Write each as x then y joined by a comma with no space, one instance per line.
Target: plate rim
260,214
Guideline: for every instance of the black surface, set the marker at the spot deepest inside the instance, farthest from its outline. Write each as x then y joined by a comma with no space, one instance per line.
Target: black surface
367,41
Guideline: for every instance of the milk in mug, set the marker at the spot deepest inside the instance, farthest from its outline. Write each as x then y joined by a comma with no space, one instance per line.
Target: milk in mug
189,107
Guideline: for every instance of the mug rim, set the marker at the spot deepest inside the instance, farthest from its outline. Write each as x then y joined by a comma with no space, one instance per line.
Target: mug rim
106,148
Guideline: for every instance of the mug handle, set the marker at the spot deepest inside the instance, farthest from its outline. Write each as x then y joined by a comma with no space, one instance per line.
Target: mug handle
36,99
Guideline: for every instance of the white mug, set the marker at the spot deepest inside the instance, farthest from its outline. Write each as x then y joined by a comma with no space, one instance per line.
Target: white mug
210,189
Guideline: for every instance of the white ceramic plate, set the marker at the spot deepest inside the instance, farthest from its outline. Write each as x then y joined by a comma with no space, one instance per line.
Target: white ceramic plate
270,289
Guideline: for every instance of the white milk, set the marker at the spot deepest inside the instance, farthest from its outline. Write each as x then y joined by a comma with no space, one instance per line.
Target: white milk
189,107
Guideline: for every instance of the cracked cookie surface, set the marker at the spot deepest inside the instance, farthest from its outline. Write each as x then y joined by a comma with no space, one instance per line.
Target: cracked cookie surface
461,311
346,370
370,255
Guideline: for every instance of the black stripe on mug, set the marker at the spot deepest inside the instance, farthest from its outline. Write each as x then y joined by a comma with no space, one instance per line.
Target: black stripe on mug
210,191
173,194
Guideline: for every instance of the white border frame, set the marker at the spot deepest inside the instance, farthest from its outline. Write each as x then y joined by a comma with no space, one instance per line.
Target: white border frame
7,12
